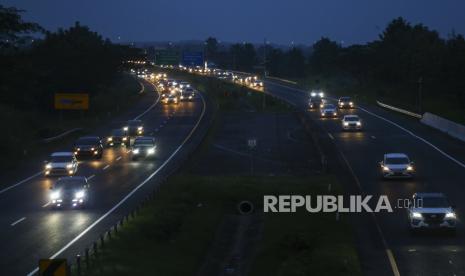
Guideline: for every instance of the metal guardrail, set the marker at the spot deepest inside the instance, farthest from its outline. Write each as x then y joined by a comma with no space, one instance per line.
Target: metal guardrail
283,80
51,139
400,110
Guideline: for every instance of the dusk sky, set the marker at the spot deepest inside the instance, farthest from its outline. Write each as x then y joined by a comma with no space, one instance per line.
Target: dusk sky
301,21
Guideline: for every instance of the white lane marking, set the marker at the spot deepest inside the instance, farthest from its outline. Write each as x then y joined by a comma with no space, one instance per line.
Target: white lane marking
106,167
46,204
417,137
21,182
150,107
373,137
330,136
18,221
90,177
130,193
118,158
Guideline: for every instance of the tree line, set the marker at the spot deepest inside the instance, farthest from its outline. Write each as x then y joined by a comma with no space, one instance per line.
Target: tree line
36,63
405,58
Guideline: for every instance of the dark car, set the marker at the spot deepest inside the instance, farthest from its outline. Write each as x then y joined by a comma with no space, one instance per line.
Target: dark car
143,147
315,102
187,94
345,102
88,146
69,191
118,137
134,128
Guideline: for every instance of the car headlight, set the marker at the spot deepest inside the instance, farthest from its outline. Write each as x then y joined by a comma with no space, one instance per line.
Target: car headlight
322,114
151,151
55,195
109,139
313,94
136,151
346,123
386,169
359,123
334,113
351,103
80,194
409,168
125,138
125,128
140,128
417,215
451,215
48,166
92,148
69,166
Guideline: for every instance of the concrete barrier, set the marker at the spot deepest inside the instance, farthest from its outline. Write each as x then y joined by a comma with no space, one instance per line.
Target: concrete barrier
453,129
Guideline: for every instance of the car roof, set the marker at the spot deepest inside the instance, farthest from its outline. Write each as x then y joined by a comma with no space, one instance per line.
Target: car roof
344,98
62,153
134,121
395,155
429,195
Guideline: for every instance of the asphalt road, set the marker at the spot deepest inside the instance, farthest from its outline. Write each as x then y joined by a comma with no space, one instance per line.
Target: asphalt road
440,167
30,229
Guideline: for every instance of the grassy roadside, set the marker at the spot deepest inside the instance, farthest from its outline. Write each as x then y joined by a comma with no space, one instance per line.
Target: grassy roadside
24,134
173,233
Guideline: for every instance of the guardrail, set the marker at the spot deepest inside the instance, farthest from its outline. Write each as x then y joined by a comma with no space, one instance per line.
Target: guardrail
451,128
51,139
400,110
283,80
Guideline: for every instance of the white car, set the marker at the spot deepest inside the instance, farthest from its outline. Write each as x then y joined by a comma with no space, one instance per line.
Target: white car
61,163
397,165
328,110
350,122
431,211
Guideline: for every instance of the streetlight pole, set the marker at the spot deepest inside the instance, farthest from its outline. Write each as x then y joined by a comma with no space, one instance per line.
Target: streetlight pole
264,72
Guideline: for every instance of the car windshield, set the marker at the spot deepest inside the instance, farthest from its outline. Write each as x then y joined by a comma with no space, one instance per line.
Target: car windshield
87,141
329,106
61,159
432,202
351,119
143,142
134,123
69,184
397,160
315,100
345,99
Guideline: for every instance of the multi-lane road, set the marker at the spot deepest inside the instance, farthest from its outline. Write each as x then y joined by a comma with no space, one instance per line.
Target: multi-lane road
30,229
440,163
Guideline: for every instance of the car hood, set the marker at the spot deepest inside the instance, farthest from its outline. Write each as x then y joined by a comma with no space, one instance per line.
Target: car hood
329,109
397,166
432,210
59,164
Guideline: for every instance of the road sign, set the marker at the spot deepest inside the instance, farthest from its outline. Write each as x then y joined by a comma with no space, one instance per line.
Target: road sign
192,59
166,57
252,143
53,267
73,101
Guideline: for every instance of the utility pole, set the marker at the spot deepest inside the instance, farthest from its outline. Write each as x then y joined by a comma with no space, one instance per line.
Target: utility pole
420,104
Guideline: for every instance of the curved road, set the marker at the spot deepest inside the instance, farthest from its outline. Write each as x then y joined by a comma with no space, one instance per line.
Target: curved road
30,230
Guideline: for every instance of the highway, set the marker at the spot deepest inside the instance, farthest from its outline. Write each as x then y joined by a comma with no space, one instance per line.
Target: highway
440,167
30,229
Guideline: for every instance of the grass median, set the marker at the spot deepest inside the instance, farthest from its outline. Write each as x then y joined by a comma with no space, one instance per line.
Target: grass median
173,233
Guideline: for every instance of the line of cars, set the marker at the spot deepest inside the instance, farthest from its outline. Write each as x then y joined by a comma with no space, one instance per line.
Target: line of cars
174,91
426,210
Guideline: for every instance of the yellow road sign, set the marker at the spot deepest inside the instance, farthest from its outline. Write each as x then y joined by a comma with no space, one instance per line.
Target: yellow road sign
71,101
53,267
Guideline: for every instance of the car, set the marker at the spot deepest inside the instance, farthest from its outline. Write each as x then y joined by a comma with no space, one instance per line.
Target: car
257,83
328,110
91,146
397,165
171,98
316,93
118,137
184,84
69,191
431,211
351,122
187,94
134,128
345,102
143,147
315,102
61,163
